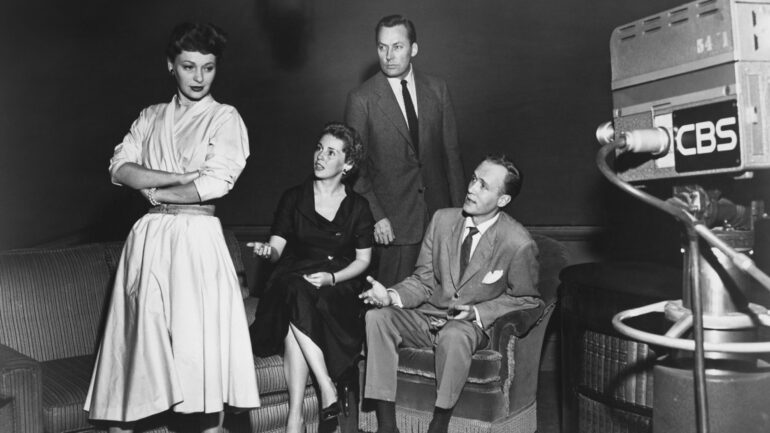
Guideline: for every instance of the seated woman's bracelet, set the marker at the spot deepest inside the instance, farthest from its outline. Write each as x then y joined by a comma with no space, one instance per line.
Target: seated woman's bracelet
334,280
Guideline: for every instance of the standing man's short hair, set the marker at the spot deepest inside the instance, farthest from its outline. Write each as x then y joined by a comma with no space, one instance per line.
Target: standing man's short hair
513,179
395,20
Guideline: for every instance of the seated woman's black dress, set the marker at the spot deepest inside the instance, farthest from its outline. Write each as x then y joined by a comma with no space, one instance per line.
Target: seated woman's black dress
330,315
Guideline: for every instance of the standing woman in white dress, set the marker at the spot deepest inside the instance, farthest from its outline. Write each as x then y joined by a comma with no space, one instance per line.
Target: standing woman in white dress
176,334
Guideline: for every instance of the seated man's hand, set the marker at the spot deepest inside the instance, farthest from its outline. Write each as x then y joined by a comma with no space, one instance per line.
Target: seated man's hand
377,295
461,312
383,232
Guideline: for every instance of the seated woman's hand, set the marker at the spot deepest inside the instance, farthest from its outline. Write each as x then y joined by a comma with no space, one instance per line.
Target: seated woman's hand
185,178
319,279
261,249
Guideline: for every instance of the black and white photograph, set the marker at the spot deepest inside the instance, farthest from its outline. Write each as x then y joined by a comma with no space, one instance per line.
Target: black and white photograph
349,216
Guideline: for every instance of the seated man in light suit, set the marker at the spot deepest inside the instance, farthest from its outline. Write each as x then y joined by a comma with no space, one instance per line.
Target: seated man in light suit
475,265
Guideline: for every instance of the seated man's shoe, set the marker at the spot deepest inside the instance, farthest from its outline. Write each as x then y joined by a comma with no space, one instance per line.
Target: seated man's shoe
437,427
440,421
386,416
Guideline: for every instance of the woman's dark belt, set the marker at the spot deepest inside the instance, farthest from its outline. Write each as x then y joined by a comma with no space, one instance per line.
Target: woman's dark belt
186,209
320,253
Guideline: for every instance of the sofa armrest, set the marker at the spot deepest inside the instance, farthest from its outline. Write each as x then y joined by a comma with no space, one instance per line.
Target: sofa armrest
6,414
21,380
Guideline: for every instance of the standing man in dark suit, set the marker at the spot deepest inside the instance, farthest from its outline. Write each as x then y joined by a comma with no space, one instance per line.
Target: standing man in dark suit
407,124
476,264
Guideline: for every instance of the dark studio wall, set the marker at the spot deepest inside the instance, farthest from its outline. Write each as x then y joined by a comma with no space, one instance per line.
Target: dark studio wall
531,79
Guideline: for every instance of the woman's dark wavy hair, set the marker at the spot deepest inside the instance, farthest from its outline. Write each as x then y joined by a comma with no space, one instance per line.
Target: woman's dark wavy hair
351,143
203,38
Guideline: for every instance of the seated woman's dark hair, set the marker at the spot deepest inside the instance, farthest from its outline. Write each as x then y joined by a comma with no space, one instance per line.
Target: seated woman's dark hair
351,142
203,38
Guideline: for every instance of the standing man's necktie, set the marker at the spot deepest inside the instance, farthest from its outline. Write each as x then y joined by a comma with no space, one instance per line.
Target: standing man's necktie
411,116
465,249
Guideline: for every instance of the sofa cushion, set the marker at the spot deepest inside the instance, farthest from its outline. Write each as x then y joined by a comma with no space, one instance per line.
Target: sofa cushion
65,384
51,301
6,414
112,252
270,377
270,416
485,364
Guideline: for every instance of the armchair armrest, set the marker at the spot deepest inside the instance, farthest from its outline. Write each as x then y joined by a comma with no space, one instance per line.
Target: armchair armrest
516,323
21,381
518,337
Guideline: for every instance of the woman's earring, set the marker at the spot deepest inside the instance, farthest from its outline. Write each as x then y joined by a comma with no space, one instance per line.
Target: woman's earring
344,172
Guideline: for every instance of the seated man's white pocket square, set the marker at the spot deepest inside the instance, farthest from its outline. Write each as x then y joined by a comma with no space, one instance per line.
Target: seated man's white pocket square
492,276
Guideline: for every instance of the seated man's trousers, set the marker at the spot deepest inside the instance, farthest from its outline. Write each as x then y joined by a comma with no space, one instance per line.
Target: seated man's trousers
389,328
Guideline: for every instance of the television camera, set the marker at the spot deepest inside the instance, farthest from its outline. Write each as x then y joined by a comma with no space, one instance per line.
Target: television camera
691,100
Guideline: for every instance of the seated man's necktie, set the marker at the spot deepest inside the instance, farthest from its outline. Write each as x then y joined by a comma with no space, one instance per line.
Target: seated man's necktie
465,249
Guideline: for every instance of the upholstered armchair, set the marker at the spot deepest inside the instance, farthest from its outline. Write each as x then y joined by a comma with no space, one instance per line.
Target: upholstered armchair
499,395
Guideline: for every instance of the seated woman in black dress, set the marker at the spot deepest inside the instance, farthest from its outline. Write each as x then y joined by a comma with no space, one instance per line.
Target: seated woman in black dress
322,233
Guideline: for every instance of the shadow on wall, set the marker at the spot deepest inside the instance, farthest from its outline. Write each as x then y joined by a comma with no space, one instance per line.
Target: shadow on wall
369,71
289,29
119,216
637,231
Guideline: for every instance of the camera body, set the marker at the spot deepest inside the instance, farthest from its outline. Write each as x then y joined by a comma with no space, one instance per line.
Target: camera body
700,72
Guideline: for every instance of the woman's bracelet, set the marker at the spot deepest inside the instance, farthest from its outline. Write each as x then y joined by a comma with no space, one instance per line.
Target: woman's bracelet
334,280
151,197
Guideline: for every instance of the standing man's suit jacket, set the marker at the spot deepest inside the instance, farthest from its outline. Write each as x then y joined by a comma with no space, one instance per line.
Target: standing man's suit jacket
399,185
501,276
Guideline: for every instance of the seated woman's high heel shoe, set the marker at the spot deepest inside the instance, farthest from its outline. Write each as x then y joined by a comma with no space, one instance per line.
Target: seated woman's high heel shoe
330,412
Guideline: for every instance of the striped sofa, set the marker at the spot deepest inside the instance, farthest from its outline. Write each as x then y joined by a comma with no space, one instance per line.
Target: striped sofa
52,303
